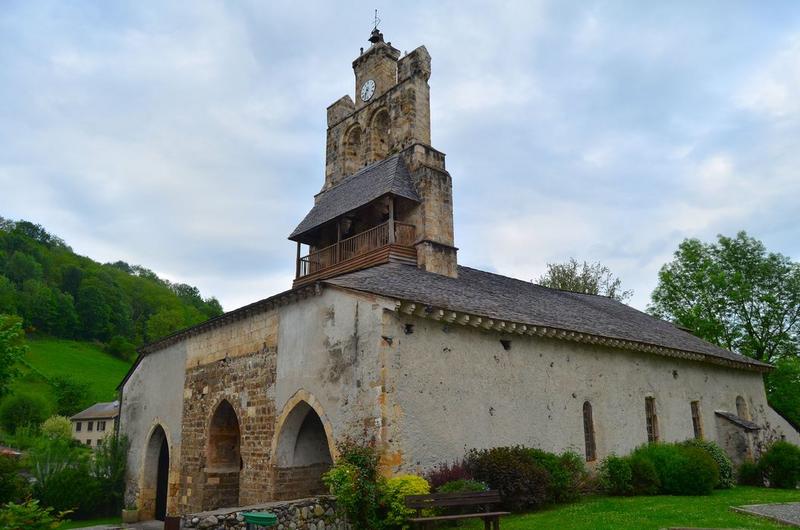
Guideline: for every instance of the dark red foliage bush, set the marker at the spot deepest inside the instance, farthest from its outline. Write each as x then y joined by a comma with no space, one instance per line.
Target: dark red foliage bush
447,472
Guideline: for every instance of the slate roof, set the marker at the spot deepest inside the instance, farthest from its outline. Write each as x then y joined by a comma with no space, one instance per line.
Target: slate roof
499,297
386,176
98,410
737,420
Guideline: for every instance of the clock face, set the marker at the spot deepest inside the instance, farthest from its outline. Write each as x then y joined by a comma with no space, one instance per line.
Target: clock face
367,89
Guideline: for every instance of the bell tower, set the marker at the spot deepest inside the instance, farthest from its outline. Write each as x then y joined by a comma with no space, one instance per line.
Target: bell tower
384,182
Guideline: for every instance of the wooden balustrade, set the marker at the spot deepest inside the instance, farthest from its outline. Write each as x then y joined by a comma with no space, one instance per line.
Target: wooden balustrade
357,245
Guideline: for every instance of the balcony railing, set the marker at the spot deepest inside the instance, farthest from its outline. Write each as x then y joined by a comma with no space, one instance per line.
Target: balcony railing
358,245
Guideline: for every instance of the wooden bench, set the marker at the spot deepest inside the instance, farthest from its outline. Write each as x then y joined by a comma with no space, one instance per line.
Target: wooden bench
482,501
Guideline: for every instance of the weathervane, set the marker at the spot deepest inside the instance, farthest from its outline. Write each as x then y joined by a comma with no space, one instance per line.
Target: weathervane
377,20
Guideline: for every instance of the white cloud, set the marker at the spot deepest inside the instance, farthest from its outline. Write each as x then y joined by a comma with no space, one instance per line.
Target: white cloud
774,88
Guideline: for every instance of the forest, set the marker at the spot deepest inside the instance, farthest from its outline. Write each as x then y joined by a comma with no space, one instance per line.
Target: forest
61,294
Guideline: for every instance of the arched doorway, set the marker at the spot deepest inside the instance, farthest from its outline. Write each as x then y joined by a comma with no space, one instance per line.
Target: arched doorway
223,459
156,476
302,454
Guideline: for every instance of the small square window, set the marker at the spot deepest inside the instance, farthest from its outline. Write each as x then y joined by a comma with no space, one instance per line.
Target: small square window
88,442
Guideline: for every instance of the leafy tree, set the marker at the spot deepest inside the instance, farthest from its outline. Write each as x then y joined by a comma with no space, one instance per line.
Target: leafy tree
72,396
8,296
164,322
57,427
119,347
23,410
93,311
783,389
22,266
71,277
588,278
735,294
12,348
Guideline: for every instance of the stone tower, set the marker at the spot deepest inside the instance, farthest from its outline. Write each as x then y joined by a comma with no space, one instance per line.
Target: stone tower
387,196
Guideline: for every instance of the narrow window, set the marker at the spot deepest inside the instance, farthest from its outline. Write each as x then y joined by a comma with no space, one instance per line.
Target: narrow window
77,426
89,426
697,422
88,442
588,433
652,419
741,408
101,425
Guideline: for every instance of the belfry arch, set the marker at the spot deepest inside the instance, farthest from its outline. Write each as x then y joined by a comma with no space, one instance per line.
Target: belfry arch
302,450
379,133
353,150
223,458
155,479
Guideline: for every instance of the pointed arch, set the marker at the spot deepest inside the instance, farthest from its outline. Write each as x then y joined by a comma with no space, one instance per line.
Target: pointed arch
153,496
302,448
223,458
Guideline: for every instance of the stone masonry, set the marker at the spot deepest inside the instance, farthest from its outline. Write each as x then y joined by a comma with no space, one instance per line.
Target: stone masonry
317,513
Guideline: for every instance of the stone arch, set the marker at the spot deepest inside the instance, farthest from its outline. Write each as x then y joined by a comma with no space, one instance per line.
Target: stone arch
223,458
155,474
352,150
302,449
380,132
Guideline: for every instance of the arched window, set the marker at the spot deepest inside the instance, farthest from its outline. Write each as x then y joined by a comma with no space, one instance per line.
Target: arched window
588,433
380,132
353,150
741,408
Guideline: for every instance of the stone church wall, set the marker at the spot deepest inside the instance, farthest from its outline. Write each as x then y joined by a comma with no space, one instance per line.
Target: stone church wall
457,388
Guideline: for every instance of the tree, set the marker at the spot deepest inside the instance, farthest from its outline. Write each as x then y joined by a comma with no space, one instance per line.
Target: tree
735,294
72,396
783,389
12,348
164,322
587,278
57,427
23,410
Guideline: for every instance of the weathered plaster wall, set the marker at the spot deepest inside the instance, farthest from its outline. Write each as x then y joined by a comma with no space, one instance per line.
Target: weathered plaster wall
456,388
152,396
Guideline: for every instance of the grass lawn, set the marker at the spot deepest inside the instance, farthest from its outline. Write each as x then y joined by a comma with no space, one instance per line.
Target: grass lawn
89,522
642,513
82,361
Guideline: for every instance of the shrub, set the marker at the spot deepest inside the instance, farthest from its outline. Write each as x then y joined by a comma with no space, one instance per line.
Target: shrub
355,482
682,470
29,516
567,474
73,489
108,467
57,427
462,486
13,487
522,483
749,474
393,494
780,465
444,473
616,476
21,410
723,462
119,347
644,476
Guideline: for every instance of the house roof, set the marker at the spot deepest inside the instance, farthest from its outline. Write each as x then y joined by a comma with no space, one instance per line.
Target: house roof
389,176
98,411
500,297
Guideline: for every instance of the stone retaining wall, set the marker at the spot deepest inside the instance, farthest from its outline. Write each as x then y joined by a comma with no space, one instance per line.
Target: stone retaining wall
318,513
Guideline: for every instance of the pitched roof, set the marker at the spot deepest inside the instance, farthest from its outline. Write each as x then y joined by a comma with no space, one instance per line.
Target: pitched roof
386,176
98,410
500,297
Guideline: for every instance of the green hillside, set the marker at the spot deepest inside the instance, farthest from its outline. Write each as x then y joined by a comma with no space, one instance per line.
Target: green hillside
85,363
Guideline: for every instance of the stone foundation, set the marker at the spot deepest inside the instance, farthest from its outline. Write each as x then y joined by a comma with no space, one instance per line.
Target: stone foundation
317,513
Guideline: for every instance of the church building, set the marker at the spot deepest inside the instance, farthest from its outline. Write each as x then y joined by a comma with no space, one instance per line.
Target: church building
383,336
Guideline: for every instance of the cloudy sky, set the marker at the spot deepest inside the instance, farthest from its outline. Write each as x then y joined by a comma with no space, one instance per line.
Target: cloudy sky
189,136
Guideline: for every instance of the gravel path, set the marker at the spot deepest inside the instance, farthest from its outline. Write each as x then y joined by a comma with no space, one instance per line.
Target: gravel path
788,513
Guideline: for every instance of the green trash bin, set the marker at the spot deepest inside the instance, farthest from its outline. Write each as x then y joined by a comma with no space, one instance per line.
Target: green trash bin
256,520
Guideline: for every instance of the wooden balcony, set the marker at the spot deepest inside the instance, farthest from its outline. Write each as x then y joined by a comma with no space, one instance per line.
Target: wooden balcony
390,241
